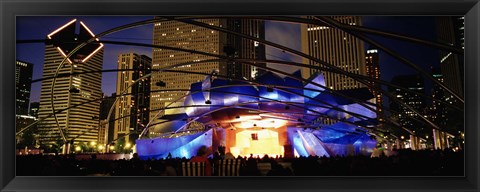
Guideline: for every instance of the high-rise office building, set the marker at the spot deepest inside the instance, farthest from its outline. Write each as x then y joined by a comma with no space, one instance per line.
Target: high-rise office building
105,105
245,48
416,101
438,111
79,123
132,108
23,78
373,71
186,36
450,30
337,48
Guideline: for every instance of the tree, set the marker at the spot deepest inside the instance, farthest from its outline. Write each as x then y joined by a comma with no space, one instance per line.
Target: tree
119,146
27,139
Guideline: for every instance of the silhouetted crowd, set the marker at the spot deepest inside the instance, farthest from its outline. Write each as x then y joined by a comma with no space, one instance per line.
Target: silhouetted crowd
406,162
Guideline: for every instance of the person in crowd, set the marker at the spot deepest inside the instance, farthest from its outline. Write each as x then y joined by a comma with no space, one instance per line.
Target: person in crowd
229,156
202,155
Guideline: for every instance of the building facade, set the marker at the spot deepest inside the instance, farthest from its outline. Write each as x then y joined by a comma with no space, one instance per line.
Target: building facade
78,122
450,30
414,83
438,111
105,105
245,48
132,108
337,48
23,85
373,71
186,36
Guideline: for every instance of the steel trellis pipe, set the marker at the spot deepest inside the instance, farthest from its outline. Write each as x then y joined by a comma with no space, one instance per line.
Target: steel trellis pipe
296,53
276,86
122,26
284,63
334,23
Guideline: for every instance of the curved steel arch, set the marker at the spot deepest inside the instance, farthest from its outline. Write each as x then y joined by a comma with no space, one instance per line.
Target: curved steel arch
246,103
272,100
359,101
291,87
115,70
357,76
331,106
131,25
266,85
116,29
170,133
284,63
334,23
301,55
321,22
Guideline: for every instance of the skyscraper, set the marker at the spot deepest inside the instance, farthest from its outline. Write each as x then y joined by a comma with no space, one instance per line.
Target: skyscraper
23,78
438,111
337,48
131,109
105,105
186,36
373,71
414,83
245,48
450,30
78,123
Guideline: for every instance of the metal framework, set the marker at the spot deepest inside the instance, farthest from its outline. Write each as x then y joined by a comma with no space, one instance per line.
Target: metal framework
353,30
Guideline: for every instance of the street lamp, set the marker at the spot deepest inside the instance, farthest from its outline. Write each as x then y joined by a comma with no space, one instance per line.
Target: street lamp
93,144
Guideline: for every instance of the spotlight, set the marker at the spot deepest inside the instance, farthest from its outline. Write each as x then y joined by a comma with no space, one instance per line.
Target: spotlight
208,102
269,89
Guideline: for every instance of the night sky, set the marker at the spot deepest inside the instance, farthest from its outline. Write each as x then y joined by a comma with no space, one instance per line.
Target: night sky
282,33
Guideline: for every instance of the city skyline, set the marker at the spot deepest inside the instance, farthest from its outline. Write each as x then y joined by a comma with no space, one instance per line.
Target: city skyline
424,28
331,45
214,87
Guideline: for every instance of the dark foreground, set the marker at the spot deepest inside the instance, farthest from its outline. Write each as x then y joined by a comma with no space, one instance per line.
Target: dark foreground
405,163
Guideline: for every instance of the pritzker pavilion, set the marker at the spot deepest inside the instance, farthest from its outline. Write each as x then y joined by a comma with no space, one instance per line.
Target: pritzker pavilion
276,113
274,116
